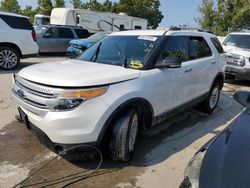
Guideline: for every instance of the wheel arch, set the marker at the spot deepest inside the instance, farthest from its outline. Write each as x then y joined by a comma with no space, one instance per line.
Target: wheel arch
219,78
142,105
12,45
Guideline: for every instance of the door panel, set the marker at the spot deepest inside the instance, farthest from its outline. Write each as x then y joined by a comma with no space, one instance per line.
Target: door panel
48,42
65,36
182,83
202,63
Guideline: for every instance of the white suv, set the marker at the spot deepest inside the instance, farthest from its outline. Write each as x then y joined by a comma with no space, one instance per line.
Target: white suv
237,46
127,82
17,40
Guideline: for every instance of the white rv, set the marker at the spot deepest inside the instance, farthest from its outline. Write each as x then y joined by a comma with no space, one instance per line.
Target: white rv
96,21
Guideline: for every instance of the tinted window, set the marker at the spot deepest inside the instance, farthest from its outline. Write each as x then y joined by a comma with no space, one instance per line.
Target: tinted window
82,33
65,33
17,22
176,46
52,32
198,48
217,45
122,27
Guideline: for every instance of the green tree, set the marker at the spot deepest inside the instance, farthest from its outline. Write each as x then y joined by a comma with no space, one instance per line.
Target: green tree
207,9
59,3
92,5
76,3
10,6
29,12
44,7
225,16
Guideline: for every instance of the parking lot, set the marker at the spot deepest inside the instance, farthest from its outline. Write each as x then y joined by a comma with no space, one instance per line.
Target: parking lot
160,160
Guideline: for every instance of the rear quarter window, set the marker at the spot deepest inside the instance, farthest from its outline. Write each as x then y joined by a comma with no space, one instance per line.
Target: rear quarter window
17,22
82,33
217,45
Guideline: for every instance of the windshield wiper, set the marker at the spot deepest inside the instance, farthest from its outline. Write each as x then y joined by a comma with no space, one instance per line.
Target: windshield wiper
95,55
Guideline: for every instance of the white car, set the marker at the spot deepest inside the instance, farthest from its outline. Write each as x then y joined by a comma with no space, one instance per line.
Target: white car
127,82
237,46
17,40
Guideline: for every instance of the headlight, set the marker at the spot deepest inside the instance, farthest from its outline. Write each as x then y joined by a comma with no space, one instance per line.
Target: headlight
235,59
71,99
192,172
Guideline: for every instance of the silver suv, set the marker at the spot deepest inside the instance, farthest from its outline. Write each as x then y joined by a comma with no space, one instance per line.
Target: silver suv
56,38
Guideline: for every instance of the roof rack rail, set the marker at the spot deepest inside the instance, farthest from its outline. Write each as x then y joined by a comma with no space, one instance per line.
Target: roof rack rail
189,29
65,25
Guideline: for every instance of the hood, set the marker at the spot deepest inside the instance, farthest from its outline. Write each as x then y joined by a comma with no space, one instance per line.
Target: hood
239,51
226,163
81,42
75,73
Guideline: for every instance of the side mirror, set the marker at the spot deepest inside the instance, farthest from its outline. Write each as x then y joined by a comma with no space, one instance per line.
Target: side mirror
169,62
242,97
47,35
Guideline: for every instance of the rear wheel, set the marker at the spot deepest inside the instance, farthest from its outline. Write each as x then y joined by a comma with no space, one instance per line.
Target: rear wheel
210,103
9,58
124,136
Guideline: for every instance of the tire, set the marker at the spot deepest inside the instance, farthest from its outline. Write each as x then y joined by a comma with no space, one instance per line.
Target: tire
9,58
124,136
210,103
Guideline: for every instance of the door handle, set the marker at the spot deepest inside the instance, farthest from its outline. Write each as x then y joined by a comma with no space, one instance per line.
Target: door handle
213,63
188,70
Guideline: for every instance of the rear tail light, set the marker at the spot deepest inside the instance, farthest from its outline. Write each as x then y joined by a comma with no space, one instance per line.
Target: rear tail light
34,35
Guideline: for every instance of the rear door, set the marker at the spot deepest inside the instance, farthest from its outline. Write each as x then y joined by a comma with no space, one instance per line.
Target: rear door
65,35
201,64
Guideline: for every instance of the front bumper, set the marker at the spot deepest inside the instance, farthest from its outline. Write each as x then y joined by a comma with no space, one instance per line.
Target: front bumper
44,139
240,73
78,126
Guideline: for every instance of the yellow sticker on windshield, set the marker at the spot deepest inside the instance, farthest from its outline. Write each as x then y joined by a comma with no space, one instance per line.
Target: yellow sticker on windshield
135,64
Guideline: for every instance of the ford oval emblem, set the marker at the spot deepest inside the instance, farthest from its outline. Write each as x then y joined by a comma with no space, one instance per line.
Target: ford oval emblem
20,93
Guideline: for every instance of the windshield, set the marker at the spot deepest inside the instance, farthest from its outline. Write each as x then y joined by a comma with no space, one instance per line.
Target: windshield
40,30
41,21
240,41
127,51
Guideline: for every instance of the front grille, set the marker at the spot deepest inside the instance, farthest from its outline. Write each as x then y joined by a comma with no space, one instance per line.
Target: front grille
34,94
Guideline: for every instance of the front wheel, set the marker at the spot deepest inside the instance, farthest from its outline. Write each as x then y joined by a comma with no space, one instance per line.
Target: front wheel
124,136
210,103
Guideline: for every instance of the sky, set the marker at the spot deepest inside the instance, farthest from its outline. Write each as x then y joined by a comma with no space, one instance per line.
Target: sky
176,12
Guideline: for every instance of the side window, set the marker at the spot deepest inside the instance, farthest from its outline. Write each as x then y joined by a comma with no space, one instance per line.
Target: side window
217,45
198,48
51,33
122,27
65,33
82,33
17,22
176,46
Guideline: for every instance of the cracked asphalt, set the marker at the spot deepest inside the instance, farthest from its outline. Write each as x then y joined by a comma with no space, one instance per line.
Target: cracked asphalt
159,161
